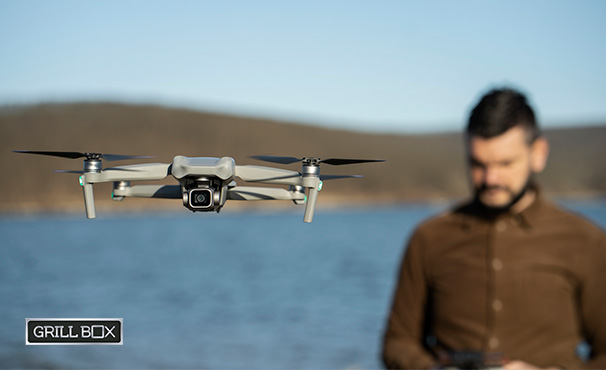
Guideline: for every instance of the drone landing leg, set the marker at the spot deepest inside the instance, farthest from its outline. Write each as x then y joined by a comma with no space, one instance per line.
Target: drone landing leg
310,205
89,200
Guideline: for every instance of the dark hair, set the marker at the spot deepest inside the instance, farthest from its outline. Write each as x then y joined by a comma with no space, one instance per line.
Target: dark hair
498,111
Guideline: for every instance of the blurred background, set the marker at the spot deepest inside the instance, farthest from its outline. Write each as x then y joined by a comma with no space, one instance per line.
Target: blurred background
253,287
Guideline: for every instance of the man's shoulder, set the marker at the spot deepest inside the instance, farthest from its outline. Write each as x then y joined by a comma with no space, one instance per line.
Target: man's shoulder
545,215
445,218
552,213
451,218
439,232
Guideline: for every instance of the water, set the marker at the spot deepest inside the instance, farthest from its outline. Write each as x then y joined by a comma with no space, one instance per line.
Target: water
251,290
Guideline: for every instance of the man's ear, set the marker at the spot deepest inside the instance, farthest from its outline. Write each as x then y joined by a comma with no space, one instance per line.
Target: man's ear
539,154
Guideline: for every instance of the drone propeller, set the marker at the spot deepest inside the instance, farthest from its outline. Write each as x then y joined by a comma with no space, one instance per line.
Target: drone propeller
68,171
334,177
276,159
342,161
88,156
311,160
105,169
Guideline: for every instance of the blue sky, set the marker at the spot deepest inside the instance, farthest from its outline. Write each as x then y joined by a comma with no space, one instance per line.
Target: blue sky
406,66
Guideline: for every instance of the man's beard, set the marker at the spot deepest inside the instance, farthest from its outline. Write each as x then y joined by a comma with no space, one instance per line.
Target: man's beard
506,207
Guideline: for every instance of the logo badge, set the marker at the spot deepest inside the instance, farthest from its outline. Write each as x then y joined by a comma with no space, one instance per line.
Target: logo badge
73,331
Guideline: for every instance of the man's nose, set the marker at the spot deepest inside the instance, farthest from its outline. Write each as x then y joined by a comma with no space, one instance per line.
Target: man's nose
491,176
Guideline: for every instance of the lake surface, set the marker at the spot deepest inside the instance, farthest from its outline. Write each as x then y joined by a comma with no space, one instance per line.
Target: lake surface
250,290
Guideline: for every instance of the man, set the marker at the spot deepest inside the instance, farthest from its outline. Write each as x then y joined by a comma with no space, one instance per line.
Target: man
507,277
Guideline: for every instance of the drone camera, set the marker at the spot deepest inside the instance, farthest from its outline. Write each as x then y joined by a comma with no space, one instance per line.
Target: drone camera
202,194
200,199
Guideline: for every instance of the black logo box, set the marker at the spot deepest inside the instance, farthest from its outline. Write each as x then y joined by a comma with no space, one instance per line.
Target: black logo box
73,331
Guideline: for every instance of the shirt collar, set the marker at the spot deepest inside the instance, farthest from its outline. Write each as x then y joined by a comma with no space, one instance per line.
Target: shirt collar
531,215
473,212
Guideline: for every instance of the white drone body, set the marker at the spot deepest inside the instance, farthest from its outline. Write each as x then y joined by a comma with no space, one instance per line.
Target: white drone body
205,183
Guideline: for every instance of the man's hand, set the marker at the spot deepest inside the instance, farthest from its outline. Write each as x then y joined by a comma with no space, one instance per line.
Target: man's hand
521,365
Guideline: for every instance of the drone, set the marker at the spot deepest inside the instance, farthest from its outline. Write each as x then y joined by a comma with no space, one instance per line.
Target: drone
205,183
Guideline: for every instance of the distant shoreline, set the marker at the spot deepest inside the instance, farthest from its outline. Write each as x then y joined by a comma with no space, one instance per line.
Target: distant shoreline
418,167
235,207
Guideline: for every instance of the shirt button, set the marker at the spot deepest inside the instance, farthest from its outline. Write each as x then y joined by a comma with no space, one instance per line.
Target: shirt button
493,343
501,226
497,305
497,264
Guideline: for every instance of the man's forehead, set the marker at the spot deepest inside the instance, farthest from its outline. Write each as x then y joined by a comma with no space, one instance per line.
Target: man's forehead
514,134
506,146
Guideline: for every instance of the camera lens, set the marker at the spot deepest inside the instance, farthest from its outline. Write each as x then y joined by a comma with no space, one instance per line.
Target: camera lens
201,198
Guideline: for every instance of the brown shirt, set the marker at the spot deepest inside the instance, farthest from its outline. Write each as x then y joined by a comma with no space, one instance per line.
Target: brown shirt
530,286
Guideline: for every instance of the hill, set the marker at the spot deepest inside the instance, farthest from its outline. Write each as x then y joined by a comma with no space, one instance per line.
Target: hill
418,167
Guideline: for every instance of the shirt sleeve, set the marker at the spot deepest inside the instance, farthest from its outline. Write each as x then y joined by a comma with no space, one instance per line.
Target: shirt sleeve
593,299
404,335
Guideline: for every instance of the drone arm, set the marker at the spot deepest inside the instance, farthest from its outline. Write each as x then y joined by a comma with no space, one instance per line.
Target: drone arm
258,193
153,171
284,177
268,175
149,191
148,171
